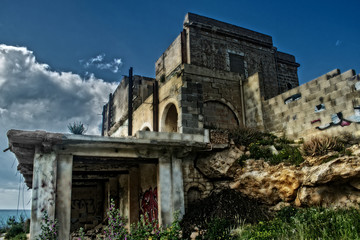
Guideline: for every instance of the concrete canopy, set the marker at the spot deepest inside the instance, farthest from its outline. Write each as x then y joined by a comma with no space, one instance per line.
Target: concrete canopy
54,163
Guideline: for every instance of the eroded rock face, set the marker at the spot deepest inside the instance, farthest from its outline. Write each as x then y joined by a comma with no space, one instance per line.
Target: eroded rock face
339,169
271,184
218,165
334,183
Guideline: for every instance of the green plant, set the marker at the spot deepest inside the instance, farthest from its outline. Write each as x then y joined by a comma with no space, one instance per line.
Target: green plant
77,128
116,224
287,154
81,234
49,228
15,228
319,146
310,223
217,229
245,136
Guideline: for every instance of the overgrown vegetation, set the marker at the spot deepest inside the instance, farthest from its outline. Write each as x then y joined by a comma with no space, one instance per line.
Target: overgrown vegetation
49,228
77,128
319,146
215,215
310,223
15,230
266,146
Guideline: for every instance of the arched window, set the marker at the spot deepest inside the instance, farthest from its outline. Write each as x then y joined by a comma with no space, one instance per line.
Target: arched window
193,194
170,119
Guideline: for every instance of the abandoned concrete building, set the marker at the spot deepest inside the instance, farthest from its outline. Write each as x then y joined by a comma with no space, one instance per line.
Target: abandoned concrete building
213,76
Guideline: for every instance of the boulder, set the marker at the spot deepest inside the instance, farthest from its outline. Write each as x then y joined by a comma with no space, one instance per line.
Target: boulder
271,184
218,165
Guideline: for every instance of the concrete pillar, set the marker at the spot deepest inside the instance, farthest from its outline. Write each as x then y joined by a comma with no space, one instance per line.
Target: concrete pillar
170,189
43,190
63,194
165,191
178,186
124,195
134,187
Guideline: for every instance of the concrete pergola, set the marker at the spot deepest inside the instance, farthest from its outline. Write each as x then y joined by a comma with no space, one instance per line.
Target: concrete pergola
52,162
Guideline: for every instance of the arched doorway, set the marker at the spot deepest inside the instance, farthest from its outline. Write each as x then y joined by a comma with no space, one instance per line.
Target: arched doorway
170,119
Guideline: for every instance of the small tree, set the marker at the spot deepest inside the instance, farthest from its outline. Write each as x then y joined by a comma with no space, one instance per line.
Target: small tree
77,128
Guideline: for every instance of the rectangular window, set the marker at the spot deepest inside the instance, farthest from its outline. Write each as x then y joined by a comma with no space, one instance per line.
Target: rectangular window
237,63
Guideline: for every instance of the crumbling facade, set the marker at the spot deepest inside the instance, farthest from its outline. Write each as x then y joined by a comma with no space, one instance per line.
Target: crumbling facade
156,131
200,80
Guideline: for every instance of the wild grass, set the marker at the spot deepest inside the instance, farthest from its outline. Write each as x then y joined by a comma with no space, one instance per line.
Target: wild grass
311,223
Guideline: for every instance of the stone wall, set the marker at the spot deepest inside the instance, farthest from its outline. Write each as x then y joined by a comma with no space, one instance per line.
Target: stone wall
211,43
211,97
286,71
299,112
196,186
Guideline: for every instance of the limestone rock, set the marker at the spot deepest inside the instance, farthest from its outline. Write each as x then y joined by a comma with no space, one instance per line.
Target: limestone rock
271,184
218,165
338,169
332,195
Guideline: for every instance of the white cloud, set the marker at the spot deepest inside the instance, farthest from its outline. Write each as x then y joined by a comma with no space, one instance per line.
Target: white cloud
100,63
34,97
338,42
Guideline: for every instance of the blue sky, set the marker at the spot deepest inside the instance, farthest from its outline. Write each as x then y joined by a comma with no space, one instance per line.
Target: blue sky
59,60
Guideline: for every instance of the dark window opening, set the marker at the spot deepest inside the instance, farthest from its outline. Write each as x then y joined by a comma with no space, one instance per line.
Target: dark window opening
237,63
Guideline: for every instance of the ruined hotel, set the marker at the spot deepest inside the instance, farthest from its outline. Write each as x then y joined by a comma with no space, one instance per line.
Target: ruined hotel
213,76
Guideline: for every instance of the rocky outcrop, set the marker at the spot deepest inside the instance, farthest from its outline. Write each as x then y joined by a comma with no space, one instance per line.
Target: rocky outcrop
219,165
315,183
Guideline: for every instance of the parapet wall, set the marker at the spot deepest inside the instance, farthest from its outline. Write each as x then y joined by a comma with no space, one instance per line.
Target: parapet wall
324,105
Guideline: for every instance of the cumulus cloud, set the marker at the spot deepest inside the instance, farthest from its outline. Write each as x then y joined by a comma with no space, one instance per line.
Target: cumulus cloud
34,97
100,63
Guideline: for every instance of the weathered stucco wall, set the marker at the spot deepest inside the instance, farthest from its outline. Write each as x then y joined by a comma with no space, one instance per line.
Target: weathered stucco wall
253,103
169,60
299,118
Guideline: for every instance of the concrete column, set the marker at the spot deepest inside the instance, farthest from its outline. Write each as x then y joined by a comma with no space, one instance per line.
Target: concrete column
177,186
43,190
134,187
165,191
63,194
124,195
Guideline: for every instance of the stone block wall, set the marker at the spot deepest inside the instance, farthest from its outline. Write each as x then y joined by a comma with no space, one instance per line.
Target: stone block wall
298,118
211,43
196,186
213,96
286,71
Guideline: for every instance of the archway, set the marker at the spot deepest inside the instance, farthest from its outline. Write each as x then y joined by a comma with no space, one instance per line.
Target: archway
219,115
170,119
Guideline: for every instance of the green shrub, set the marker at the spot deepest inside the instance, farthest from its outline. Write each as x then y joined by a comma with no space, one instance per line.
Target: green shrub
49,228
245,136
287,154
15,228
217,229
